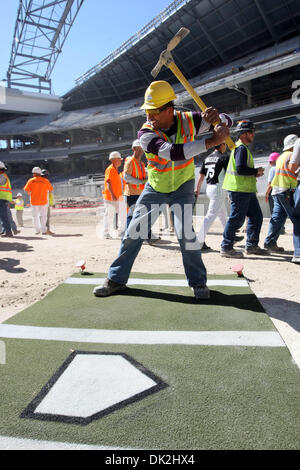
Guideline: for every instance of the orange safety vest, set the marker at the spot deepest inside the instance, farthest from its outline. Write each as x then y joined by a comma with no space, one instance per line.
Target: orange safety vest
138,171
5,190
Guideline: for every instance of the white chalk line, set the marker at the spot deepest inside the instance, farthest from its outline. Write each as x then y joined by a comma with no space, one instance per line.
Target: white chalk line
159,282
16,443
199,338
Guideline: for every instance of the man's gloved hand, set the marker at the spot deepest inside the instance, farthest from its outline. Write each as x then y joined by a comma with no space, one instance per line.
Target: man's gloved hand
226,119
210,115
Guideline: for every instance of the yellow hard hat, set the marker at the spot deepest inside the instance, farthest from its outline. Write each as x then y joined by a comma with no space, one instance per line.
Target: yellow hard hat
157,94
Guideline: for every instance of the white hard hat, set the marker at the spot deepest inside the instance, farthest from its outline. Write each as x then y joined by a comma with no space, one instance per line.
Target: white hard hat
20,194
36,170
289,141
3,166
136,143
114,155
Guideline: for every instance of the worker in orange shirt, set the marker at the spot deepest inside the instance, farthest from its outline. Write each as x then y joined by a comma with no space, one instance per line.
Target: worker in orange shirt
113,197
38,188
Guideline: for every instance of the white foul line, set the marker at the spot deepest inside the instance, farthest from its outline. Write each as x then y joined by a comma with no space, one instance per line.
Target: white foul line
200,338
158,282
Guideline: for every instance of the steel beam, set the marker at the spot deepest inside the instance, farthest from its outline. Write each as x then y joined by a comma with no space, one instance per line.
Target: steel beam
40,32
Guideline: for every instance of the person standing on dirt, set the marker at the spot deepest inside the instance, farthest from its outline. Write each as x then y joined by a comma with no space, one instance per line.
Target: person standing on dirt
135,176
213,170
38,188
113,197
240,182
45,174
19,207
285,193
5,199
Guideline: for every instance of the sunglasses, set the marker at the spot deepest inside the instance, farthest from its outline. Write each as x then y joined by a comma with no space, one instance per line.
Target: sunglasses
157,110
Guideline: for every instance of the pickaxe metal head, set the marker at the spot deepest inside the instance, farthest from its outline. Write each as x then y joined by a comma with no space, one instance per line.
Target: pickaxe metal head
166,56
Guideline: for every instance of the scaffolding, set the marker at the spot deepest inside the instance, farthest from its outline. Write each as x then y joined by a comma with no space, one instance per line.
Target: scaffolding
41,29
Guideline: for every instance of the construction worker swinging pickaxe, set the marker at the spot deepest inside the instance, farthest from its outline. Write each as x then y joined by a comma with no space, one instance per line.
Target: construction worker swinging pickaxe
167,60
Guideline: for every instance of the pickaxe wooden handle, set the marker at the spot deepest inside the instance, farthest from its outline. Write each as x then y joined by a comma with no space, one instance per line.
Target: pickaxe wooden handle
167,60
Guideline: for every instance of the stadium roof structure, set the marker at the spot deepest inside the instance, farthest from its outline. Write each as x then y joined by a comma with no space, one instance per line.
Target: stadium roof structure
221,32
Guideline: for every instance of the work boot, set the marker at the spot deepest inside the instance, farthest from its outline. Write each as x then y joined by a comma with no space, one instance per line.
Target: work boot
256,250
296,259
7,235
109,287
232,253
153,240
205,248
275,248
201,293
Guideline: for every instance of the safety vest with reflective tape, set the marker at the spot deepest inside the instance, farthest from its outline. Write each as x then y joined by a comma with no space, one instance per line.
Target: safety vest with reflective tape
138,171
5,189
239,183
164,175
284,178
19,204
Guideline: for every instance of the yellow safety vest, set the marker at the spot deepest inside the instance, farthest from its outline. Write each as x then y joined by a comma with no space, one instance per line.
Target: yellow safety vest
239,183
159,168
5,190
284,178
19,204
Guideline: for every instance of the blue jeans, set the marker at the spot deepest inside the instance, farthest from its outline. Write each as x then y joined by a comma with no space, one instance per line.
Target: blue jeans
145,214
243,205
271,207
130,201
4,215
285,204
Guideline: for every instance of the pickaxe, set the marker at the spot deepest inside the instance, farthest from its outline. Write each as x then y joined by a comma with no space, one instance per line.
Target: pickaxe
167,60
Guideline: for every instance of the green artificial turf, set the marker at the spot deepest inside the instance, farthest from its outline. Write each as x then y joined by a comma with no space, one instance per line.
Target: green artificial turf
217,398
143,307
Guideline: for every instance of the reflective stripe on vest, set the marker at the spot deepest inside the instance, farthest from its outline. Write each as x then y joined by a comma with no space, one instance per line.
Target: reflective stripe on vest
284,178
138,172
239,183
159,168
5,189
19,206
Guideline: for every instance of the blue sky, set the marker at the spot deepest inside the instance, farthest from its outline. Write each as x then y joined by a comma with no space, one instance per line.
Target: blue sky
100,27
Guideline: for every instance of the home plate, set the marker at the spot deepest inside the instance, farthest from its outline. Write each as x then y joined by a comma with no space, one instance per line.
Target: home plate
90,385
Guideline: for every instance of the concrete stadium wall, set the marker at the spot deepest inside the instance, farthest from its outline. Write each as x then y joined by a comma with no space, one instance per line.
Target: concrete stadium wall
90,190
95,191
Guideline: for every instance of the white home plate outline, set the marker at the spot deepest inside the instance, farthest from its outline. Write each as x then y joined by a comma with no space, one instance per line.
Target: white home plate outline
30,410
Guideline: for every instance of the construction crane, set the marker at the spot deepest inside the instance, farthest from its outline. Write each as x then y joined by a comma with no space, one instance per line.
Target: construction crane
41,29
